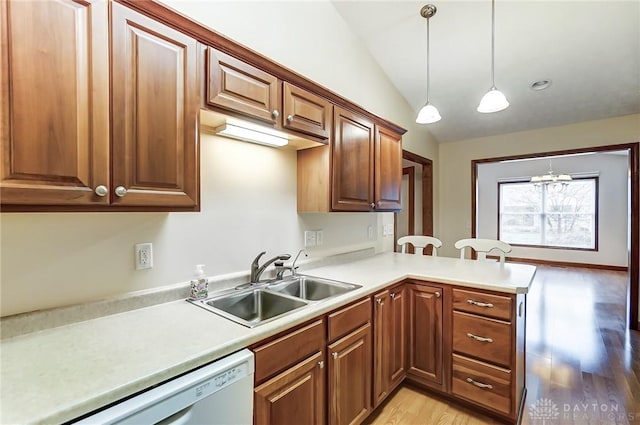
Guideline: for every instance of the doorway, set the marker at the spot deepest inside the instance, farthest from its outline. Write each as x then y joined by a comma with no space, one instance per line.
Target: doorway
416,216
633,236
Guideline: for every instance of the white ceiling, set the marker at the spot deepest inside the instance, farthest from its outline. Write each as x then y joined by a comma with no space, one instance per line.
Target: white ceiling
590,50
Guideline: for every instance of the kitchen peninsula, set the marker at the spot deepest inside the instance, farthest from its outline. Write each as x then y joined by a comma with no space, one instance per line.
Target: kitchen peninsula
59,374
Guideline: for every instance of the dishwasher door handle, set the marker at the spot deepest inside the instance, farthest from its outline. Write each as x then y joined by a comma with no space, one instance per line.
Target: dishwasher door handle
181,418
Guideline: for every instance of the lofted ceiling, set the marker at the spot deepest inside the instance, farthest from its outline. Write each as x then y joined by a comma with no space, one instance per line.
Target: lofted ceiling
590,50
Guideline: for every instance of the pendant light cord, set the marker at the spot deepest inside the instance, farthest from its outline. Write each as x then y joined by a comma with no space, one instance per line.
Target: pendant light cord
493,47
428,60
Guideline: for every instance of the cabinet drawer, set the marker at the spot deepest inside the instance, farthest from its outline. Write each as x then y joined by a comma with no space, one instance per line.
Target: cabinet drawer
481,337
279,354
481,383
490,305
344,321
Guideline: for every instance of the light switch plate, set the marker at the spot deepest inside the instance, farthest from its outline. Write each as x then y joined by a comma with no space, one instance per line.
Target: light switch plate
309,238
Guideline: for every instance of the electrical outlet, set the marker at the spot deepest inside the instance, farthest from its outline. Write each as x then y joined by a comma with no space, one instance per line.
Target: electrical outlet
144,256
319,237
309,238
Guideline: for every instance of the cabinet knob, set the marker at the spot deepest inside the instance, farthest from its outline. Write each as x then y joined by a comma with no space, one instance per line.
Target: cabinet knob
275,113
321,364
372,205
379,301
101,190
289,118
393,296
335,355
121,191
437,294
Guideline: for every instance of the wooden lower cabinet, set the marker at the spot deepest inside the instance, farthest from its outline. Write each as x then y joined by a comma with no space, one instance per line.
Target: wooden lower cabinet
295,396
350,377
389,322
468,345
425,323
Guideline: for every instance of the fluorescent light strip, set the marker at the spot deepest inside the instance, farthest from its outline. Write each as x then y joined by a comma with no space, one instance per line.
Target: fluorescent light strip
250,135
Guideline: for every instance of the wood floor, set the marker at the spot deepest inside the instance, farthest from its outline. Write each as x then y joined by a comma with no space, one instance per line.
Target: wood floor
583,365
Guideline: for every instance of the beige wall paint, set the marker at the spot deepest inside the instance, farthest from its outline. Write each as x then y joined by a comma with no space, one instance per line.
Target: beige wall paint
248,191
455,172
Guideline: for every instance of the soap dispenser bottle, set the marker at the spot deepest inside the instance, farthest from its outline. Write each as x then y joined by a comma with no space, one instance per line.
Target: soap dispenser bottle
199,284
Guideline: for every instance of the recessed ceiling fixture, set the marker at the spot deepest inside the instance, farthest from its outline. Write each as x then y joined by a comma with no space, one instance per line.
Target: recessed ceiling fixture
551,179
429,113
540,85
494,100
248,134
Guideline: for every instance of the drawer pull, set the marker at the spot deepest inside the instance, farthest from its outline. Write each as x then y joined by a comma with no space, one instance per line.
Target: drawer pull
479,338
480,384
479,304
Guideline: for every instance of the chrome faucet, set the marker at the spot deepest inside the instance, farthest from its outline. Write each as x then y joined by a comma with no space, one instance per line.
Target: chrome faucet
281,268
257,270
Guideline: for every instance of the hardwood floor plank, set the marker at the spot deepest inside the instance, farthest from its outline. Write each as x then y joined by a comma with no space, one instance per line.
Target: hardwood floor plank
581,358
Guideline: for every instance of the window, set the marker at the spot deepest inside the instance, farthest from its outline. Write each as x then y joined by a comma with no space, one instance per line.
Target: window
556,216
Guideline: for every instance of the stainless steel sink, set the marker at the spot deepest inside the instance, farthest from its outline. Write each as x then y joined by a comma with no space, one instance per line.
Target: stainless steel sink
312,288
251,307
254,305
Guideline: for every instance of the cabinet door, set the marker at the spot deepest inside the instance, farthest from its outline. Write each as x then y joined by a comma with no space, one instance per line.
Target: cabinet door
306,112
352,158
239,87
54,102
350,377
295,396
382,345
155,108
398,336
388,170
425,335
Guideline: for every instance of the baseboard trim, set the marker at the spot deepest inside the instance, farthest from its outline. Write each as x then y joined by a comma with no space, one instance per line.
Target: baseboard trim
563,263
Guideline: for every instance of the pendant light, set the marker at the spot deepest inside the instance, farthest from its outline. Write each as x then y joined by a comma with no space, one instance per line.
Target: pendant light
551,179
494,100
429,113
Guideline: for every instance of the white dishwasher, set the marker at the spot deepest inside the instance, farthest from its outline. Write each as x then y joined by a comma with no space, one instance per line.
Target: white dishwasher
220,393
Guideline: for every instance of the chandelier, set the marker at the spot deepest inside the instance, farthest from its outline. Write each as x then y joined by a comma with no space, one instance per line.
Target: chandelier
551,178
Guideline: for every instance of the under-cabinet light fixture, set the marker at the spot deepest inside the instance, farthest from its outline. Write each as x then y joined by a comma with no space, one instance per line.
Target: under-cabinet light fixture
250,135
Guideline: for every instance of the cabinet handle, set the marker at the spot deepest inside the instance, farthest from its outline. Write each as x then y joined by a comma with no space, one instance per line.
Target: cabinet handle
335,355
372,205
101,190
321,364
289,118
121,191
479,338
437,294
275,113
480,384
479,304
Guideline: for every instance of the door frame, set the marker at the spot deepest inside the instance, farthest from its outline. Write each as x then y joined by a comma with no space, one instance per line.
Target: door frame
634,211
411,206
427,194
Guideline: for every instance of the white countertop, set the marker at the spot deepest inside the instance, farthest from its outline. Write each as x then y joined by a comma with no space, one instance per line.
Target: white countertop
58,374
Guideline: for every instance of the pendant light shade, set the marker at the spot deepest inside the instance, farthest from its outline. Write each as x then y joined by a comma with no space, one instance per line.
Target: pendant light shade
494,100
429,113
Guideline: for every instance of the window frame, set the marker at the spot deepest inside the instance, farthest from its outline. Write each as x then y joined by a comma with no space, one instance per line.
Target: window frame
573,248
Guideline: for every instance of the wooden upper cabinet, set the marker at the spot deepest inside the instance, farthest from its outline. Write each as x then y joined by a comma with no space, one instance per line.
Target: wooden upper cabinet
155,109
352,162
388,170
55,102
241,88
306,112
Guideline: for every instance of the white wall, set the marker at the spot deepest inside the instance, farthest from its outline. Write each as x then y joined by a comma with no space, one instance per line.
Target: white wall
455,171
248,191
613,175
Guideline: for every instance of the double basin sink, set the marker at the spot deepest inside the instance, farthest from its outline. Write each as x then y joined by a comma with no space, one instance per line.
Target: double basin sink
264,302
